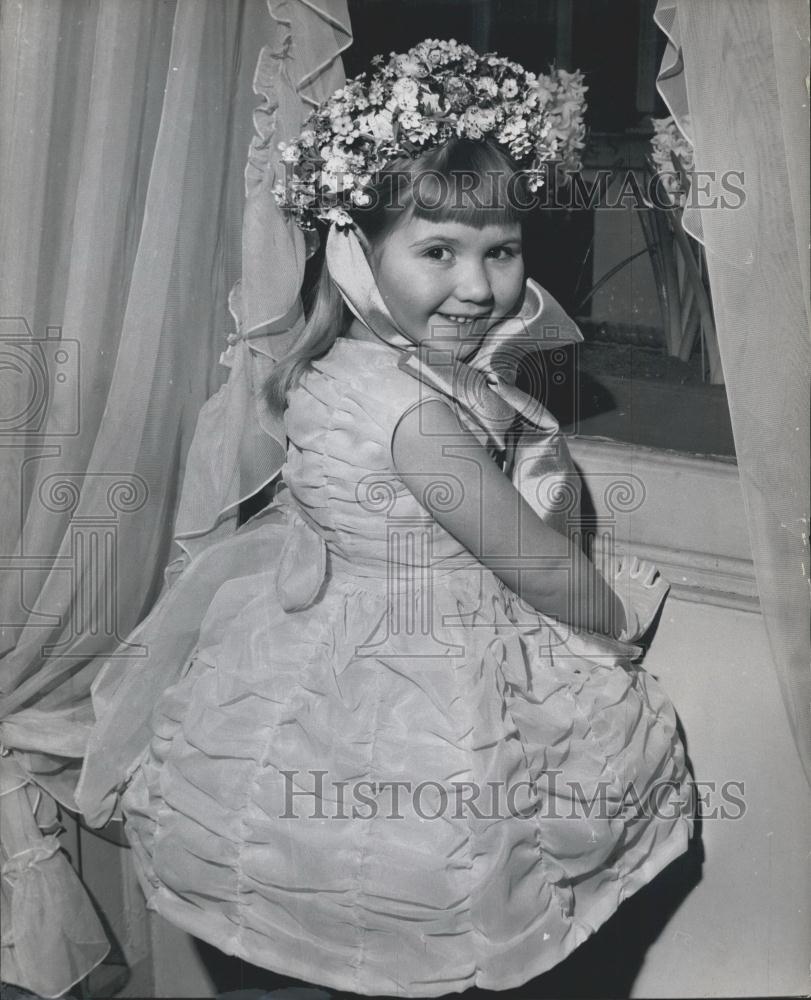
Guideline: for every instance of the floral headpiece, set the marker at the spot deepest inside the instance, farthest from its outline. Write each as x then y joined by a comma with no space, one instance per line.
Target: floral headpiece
420,99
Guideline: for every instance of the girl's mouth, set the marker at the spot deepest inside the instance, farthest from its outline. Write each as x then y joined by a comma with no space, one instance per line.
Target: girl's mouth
453,318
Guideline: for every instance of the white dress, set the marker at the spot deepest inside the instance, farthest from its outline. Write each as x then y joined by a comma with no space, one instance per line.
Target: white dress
369,647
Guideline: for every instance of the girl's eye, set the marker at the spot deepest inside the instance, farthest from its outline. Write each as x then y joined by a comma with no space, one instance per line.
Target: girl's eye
437,250
507,250
432,251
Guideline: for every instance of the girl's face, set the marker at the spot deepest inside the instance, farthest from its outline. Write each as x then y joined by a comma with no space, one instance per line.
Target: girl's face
446,283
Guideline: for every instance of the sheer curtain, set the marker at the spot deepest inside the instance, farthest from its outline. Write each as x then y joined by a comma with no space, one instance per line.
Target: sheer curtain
124,130
735,76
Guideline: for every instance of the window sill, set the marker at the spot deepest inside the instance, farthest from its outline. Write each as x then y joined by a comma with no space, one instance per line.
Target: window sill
688,418
683,512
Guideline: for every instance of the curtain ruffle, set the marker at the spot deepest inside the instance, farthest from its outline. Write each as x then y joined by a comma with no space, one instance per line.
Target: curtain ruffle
239,446
734,76
130,291
45,909
672,86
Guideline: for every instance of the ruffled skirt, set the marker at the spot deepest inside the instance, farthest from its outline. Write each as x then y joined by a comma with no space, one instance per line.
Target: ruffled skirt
403,797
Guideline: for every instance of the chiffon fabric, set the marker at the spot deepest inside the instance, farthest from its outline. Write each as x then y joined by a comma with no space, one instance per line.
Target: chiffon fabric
378,769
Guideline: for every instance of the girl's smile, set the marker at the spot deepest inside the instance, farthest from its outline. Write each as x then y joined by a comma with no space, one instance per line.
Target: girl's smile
446,283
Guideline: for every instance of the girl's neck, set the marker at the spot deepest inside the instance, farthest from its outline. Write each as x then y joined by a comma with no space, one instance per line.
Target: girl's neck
360,331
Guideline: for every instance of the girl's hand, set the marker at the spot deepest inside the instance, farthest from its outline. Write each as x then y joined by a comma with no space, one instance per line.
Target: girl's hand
642,589
491,519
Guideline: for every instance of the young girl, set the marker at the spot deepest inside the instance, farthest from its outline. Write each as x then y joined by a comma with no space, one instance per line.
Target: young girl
410,753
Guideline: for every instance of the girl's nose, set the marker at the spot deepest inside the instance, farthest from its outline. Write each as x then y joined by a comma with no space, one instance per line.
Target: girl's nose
474,283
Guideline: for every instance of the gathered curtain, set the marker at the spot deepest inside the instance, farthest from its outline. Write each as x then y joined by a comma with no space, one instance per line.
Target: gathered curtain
136,239
735,77
139,241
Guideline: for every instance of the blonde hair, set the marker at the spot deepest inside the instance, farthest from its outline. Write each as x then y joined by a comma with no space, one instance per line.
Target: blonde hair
426,187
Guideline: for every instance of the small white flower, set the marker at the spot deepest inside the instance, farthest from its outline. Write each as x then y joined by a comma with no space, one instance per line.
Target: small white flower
343,125
417,127
543,93
480,119
406,93
338,216
380,126
487,85
669,144
335,174
408,65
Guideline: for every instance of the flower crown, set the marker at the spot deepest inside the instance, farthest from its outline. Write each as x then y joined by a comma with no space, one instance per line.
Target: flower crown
420,99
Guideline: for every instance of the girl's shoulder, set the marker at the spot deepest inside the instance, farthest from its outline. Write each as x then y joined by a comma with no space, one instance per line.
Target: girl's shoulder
357,357
369,370
356,382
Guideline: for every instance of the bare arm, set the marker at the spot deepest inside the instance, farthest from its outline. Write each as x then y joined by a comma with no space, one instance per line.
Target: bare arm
496,524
